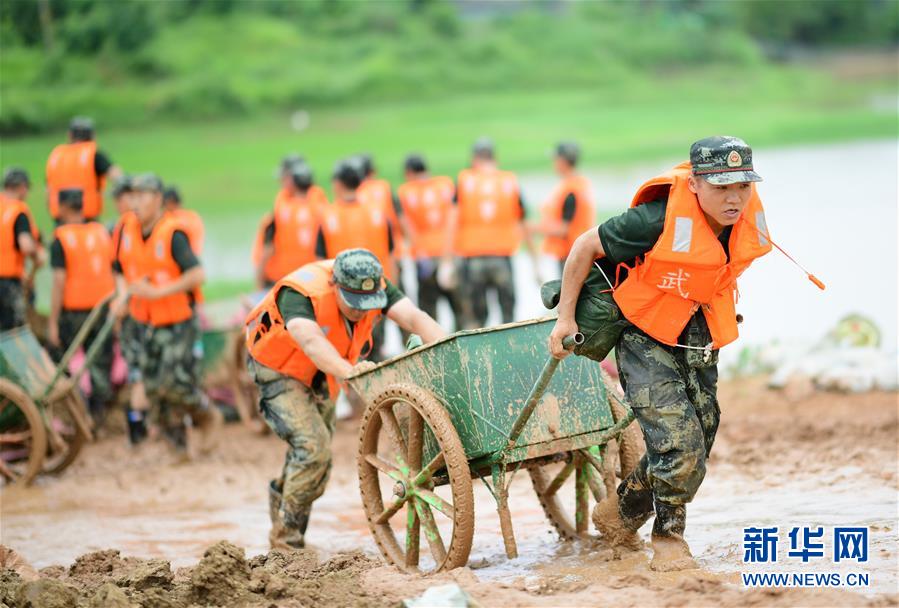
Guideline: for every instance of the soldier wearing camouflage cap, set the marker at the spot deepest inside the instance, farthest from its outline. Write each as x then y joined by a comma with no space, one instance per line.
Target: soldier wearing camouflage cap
304,339
19,241
157,267
688,235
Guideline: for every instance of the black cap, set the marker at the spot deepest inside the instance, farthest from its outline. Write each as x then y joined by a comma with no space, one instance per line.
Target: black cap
568,150
171,194
415,163
367,163
82,128
121,186
349,173
302,176
291,159
71,198
722,160
15,176
483,148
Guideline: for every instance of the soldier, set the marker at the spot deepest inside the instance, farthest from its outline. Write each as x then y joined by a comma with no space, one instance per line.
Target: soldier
686,238
303,340
377,193
162,273
569,210
427,205
289,238
81,257
19,239
348,224
490,226
79,164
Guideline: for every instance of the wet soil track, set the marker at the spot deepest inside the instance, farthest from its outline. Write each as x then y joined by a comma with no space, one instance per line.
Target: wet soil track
817,459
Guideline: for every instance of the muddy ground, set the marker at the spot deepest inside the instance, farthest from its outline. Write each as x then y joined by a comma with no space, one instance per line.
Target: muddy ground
128,527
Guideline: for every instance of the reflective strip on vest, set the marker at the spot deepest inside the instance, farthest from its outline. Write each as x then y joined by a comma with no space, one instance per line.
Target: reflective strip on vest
683,234
762,226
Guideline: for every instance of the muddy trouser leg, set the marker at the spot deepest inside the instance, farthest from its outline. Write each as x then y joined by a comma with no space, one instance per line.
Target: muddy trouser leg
70,322
12,304
676,408
428,289
504,282
171,373
474,292
132,337
306,422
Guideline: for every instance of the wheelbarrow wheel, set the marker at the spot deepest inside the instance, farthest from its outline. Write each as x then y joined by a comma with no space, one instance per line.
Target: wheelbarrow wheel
408,450
67,415
23,439
567,489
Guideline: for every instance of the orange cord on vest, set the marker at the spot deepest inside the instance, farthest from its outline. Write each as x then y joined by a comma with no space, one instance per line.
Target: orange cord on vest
818,282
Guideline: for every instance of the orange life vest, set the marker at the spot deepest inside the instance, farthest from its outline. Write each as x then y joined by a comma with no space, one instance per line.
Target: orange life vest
688,268
426,204
192,225
269,342
489,213
128,258
347,225
296,228
152,258
584,214
316,195
88,254
376,193
12,262
270,271
72,166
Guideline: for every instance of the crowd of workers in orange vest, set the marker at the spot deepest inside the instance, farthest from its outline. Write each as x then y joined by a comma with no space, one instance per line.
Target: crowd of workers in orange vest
446,226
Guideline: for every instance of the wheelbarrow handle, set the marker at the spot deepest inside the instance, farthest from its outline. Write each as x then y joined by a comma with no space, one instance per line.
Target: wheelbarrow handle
549,368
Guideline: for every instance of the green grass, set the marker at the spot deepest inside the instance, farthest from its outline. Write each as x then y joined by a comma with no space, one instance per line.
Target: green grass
225,169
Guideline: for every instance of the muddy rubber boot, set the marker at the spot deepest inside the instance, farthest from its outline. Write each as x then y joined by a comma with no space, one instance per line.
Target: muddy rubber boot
137,427
204,430
670,550
635,502
284,536
616,532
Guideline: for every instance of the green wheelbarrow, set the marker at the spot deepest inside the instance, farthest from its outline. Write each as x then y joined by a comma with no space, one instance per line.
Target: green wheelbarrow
484,404
43,419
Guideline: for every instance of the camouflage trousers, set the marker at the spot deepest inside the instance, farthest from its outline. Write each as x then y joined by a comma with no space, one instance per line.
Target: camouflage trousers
430,292
170,368
70,321
673,392
478,276
12,304
132,336
305,420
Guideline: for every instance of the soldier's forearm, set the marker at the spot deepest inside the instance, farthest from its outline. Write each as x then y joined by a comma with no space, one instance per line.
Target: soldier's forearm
188,281
586,248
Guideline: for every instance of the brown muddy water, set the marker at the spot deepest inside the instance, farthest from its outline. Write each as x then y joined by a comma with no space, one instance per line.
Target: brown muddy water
822,460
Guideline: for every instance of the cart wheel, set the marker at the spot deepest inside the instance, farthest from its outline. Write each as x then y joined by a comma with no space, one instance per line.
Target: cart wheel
567,489
67,414
399,428
23,440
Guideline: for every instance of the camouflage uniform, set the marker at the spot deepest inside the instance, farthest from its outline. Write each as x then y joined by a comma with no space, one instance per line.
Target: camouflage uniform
70,321
673,394
12,304
131,341
305,419
170,368
430,291
480,274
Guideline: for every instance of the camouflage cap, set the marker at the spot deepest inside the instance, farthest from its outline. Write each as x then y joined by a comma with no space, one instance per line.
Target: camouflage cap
121,185
82,123
723,160
15,176
302,176
360,277
290,160
146,182
568,150
483,147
